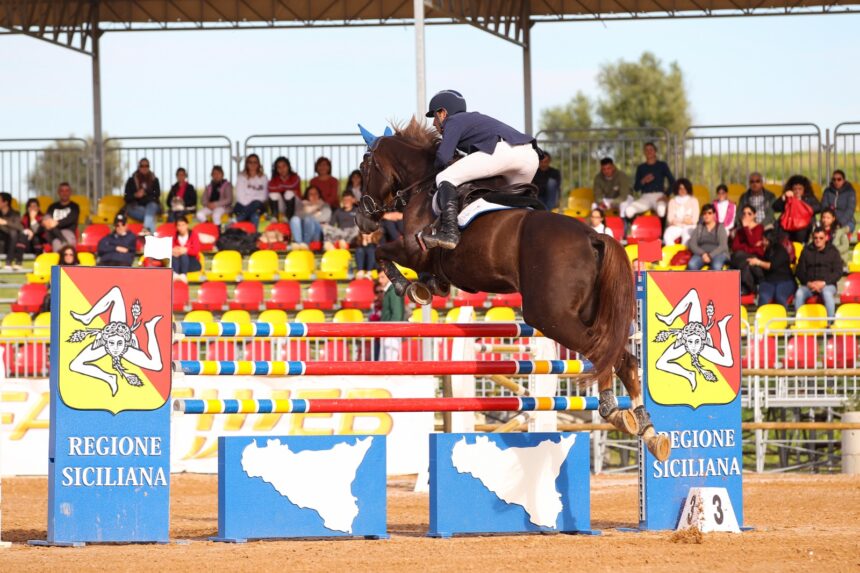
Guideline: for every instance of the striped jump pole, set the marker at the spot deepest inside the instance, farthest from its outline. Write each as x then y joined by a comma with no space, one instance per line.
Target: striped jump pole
355,330
373,368
331,406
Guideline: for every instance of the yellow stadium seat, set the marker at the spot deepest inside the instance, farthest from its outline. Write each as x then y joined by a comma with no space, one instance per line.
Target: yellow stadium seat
854,265
579,202
454,315
45,201
798,248
84,204
238,316
409,274
500,314
199,316
669,252
348,315
262,266
745,321
335,264
847,316
226,266
273,316
775,188
771,317
310,315
632,252
735,191
811,317
816,190
298,265
418,315
16,325
42,324
42,268
107,209
702,195
86,259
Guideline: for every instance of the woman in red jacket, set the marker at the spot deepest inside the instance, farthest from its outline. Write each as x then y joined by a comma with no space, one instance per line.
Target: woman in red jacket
326,183
747,243
186,248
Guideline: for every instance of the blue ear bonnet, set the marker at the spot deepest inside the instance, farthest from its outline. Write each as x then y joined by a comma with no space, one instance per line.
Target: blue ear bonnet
369,138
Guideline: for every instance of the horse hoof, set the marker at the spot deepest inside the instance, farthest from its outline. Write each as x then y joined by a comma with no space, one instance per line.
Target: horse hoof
624,420
659,446
419,293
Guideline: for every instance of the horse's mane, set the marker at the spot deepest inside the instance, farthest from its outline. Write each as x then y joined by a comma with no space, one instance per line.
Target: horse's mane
418,134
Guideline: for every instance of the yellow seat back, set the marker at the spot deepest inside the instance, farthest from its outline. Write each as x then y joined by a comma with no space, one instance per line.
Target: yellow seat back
236,315
84,204
811,317
500,314
298,265
273,316
310,315
770,317
199,316
847,316
455,313
418,315
335,264
348,315
16,325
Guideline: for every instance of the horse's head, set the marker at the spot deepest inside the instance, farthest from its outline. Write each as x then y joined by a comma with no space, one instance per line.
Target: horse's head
379,177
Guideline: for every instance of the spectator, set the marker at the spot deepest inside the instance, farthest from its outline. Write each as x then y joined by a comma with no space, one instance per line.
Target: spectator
118,248
365,254
68,256
61,219
143,196
182,199
285,188
10,231
392,226
548,181
612,188
747,243
651,181
304,226
355,183
341,231
837,235
726,210
251,191
761,200
818,270
778,283
325,183
32,238
317,209
841,196
186,248
597,221
708,242
217,198
682,214
392,311
797,187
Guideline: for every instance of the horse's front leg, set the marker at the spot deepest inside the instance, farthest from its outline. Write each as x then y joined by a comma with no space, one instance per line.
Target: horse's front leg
417,292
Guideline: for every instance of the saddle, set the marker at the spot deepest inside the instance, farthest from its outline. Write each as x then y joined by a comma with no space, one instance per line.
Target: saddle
495,190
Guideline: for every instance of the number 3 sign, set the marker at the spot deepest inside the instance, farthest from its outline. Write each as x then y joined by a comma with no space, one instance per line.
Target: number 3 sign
708,509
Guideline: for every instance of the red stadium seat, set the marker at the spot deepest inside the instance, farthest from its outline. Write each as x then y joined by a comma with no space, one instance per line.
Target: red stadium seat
210,229
617,225
246,226
747,299
512,300
135,229
645,228
286,295
31,296
221,350
359,294
180,296
852,288
322,294
90,238
283,229
476,300
166,230
186,350
28,359
841,351
440,302
211,296
762,353
801,351
247,296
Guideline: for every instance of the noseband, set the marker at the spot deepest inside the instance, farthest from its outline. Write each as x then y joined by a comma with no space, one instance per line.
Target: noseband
372,209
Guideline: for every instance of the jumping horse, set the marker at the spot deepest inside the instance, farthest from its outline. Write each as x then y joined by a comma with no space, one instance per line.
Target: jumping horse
577,285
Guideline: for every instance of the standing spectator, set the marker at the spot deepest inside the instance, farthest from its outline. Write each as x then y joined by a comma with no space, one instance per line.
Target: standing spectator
341,231
837,235
251,191
797,188
325,183
778,283
548,181
182,198
841,196
761,200
217,198
285,187
355,183
818,270
652,178
32,238
612,187
317,209
186,248
118,248
392,311
747,243
62,218
726,210
682,214
68,256
10,231
597,221
709,242
143,195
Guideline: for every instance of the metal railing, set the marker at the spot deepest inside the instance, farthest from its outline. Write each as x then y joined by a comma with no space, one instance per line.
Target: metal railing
845,152
344,150
31,167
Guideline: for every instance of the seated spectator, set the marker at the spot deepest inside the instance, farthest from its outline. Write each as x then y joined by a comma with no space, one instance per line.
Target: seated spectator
708,242
182,199
314,207
10,230
748,242
251,191
186,247
355,183
837,235
548,181
285,187
652,178
325,183
68,256
118,248
304,226
725,208
777,284
612,188
597,221
32,238
682,214
760,199
217,198
797,188
818,270
143,196
62,218
392,226
365,253
842,198
341,230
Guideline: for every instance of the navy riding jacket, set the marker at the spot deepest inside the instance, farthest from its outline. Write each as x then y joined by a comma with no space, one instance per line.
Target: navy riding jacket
471,131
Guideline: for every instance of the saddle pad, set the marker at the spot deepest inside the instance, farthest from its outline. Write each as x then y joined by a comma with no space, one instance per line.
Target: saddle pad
474,210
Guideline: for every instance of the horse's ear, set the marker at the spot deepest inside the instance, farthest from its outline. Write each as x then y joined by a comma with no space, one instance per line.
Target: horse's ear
388,131
369,138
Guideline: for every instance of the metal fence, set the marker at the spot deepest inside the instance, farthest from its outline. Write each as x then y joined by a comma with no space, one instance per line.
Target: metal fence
845,152
31,167
344,150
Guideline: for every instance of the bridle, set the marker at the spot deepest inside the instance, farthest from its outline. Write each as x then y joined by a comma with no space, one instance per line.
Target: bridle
371,208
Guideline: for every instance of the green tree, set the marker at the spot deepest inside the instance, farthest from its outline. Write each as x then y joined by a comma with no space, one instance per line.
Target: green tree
69,161
573,116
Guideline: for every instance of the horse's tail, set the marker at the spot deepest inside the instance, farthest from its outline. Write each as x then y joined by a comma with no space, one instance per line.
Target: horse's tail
616,304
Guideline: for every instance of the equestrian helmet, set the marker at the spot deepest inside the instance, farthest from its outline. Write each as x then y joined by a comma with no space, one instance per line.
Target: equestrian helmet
452,101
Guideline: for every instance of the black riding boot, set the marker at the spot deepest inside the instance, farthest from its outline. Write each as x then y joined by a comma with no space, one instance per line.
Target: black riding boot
448,234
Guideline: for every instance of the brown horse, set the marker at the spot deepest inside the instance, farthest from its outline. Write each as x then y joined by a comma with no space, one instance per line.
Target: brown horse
577,285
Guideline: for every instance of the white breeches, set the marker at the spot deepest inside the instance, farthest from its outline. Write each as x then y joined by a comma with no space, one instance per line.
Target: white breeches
517,164
648,201
672,232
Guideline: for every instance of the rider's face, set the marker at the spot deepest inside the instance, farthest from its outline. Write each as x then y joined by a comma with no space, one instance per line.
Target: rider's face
115,345
438,118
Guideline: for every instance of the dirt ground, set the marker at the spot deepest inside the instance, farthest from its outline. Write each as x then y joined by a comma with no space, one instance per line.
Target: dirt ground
803,523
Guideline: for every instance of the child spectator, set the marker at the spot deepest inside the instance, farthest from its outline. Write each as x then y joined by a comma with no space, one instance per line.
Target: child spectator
118,248
186,248
182,198
285,188
32,238
597,221
682,214
314,207
304,226
841,196
747,243
708,242
251,191
837,235
143,195
778,282
355,184
325,183
341,230
797,188
217,198
61,219
725,208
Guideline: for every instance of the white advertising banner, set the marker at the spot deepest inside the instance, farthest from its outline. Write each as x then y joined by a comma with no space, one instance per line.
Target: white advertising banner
24,416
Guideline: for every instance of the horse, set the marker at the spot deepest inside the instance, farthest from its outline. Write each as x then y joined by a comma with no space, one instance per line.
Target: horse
577,285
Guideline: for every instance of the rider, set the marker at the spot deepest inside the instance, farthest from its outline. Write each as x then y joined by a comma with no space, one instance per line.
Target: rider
493,149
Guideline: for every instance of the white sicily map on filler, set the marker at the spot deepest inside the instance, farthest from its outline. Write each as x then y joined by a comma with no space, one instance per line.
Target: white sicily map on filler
521,476
320,480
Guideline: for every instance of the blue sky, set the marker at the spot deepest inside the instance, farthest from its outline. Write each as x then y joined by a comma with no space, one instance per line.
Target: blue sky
238,83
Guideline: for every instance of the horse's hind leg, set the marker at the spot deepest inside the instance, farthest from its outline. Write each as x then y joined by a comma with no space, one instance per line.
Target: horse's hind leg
628,370
624,420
